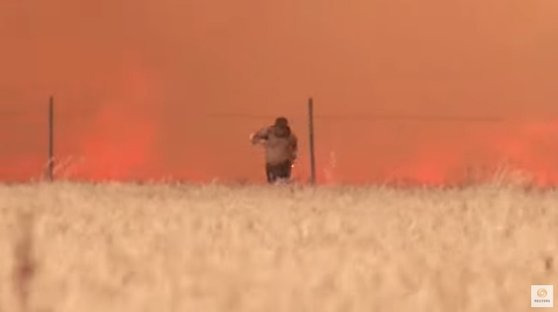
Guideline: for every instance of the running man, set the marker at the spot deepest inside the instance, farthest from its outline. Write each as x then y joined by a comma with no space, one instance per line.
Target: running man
280,149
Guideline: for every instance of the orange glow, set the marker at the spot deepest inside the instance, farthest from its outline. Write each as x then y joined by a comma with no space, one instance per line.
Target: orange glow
138,86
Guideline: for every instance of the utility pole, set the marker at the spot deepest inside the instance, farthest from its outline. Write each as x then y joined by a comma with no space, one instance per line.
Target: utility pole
311,141
50,172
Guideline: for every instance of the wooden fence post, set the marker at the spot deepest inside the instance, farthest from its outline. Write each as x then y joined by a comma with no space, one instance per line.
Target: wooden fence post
51,139
311,141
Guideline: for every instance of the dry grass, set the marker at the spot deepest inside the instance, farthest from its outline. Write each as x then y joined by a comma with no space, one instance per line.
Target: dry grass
118,247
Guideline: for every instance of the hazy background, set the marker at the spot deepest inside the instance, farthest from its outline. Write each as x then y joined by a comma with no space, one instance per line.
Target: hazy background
136,84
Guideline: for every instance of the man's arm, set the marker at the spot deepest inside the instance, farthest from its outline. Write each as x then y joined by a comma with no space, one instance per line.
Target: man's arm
260,135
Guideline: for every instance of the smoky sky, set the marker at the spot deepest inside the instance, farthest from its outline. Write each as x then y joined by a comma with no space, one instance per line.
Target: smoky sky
425,91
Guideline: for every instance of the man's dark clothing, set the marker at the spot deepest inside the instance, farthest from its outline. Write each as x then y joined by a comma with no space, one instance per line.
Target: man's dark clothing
280,149
278,171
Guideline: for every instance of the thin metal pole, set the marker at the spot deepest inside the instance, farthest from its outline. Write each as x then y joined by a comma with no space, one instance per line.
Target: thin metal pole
51,139
311,140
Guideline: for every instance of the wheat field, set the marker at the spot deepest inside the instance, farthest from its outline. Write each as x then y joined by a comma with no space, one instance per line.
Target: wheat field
163,247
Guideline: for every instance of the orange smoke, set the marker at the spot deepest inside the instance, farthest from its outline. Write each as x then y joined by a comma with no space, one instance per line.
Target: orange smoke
533,148
421,154
136,83
118,140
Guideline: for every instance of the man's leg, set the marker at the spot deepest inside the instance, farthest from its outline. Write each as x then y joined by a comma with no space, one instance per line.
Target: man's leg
285,170
270,173
289,169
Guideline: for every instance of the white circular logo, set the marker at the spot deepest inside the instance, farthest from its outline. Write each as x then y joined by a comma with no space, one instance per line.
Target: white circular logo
541,293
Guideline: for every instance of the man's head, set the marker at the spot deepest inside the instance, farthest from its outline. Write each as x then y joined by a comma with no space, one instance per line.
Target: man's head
281,127
281,122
